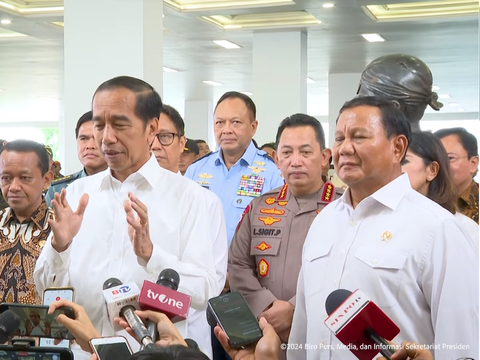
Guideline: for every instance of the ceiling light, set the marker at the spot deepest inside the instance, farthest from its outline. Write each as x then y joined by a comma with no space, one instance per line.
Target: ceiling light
435,87
310,81
246,93
6,22
373,37
202,5
2,89
461,109
328,5
213,83
227,44
444,96
166,69
453,104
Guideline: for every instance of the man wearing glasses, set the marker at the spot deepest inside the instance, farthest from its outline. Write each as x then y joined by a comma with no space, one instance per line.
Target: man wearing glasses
462,150
169,146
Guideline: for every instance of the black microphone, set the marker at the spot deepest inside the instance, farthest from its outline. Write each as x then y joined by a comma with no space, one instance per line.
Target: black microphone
358,323
126,309
9,323
168,278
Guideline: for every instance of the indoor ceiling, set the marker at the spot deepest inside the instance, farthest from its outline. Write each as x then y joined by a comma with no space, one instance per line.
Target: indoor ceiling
31,49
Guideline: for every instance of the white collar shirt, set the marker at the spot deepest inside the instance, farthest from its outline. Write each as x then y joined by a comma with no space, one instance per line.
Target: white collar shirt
408,255
179,229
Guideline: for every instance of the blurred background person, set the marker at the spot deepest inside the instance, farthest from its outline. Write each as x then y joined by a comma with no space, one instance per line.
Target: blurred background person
269,148
88,153
203,147
188,156
428,168
462,151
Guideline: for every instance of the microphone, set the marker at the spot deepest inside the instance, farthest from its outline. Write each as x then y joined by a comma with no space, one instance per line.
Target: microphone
163,296
9,323
122,300
360,324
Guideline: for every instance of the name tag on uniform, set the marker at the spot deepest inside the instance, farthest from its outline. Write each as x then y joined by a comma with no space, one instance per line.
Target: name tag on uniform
251,185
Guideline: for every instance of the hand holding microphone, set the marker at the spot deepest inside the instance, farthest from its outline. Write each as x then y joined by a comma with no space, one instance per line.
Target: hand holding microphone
410,351
168,333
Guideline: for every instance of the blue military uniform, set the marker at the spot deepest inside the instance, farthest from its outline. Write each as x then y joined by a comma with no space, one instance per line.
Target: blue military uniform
59,184
253,174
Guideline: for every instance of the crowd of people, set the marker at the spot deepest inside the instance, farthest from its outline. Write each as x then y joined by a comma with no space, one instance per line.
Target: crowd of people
263,221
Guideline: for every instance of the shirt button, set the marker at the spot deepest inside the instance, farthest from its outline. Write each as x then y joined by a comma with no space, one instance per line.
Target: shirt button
324,343
352,222
228,180
374,261
342,252
115,258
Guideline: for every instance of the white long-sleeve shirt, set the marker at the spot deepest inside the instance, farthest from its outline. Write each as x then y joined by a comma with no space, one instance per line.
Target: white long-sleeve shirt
408,255
179,229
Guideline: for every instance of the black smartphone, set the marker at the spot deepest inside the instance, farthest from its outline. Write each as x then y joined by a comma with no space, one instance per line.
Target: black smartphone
34,353
235,317
35,320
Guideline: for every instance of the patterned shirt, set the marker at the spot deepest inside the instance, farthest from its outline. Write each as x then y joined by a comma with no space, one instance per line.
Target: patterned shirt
20,246
468,202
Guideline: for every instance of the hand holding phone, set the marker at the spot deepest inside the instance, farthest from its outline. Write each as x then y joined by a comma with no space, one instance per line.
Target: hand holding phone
111,348
232,313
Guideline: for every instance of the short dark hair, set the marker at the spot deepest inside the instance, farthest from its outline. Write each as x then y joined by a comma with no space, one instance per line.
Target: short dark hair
442,189
149,103
172,352
23,146
245,98
176,118
298,120
83,119
270,144
394,121
199,141
468,140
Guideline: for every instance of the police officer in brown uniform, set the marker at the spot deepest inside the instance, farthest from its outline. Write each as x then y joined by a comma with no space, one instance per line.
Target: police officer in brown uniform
264,259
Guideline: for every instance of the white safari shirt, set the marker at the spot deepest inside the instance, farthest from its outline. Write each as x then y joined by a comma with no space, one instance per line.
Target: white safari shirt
179,229
408,255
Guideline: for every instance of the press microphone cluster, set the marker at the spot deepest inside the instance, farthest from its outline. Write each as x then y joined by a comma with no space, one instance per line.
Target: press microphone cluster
360,324
122,300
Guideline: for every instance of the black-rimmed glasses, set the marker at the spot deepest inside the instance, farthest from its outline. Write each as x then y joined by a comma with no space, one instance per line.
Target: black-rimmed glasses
166,138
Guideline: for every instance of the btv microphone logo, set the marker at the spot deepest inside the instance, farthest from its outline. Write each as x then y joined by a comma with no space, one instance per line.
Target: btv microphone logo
164,299
123,290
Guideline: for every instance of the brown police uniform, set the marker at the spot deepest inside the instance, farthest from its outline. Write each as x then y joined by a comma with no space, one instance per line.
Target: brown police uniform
468,202
265,255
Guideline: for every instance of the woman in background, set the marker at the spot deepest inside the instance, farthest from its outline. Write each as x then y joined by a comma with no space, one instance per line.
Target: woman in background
428,168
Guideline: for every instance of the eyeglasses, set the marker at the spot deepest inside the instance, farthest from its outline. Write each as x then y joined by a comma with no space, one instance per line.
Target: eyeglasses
166,138
454,158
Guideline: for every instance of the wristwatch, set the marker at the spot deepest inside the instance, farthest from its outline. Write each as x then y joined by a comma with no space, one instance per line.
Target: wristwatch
191,343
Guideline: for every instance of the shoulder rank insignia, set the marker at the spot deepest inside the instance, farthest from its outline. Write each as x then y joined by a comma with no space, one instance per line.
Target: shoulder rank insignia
256,170
259,163
282,203
328,192
263,246
61,180
263,268
205,176
270,200
269,220
272,211
283,192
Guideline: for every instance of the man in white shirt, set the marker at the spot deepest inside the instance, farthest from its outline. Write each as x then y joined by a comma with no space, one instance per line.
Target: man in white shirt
168,146
402,250
140,218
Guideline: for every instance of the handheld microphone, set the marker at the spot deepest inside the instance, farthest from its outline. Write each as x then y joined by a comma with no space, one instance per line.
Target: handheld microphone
9,323
122,300
360,324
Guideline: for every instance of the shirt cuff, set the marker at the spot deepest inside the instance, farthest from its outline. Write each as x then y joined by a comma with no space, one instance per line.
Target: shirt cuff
57,262
260,300
157,262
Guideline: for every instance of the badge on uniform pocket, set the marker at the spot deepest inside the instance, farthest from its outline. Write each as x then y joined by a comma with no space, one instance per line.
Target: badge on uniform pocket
251,185
263,268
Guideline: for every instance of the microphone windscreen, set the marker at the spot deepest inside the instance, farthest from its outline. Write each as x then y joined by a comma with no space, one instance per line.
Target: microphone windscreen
109,283
9,323
169,278
335,299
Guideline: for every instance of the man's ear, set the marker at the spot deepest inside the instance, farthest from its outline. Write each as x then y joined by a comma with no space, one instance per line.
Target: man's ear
275,158
400,145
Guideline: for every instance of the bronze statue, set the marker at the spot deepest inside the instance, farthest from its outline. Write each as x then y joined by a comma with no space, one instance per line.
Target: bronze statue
403,78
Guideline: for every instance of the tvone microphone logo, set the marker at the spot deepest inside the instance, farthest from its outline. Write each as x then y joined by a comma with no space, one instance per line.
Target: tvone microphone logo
164,299
123,289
